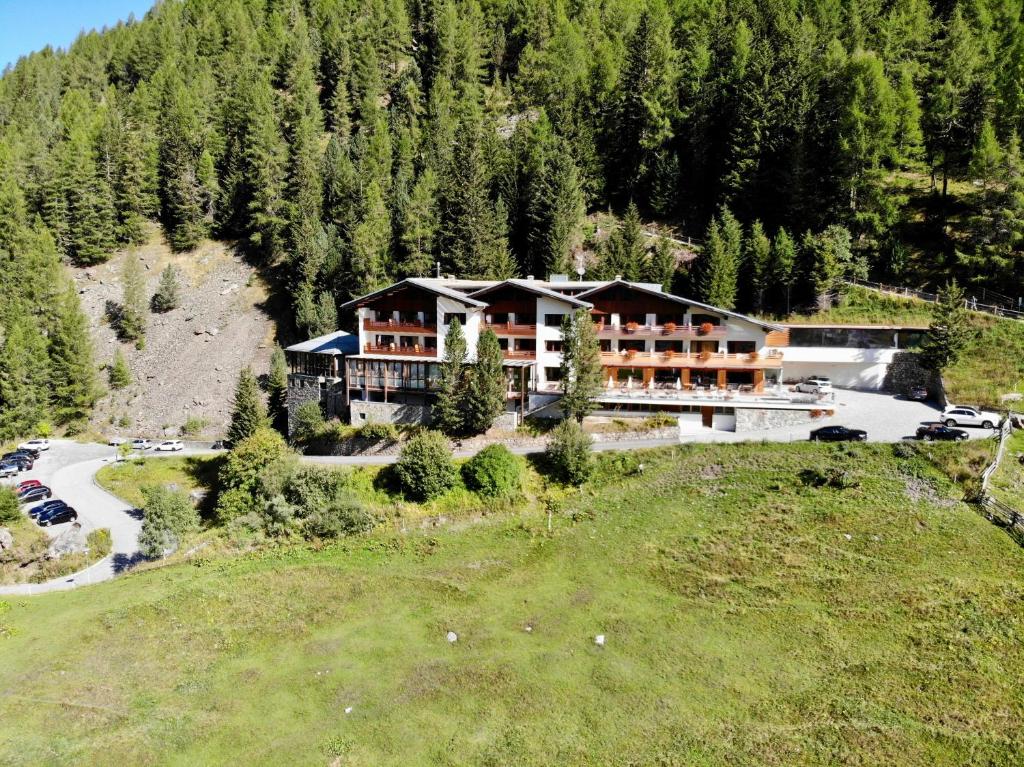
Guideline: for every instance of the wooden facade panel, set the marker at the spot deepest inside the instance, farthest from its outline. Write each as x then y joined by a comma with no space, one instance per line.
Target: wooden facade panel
777,338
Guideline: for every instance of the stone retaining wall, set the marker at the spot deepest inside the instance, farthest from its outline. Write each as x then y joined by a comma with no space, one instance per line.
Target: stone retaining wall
759,419
387,412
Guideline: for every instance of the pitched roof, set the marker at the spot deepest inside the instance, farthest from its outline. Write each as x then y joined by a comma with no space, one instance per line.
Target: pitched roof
431,285
531,287
680,300
338,342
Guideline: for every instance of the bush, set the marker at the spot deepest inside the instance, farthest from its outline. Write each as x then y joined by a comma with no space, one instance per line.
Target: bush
193,425
168,516
311,488
425,469
243,474
904,450
309,421
344,515
378,432
494,471
119,375
568,453
168,291
10,512
100,542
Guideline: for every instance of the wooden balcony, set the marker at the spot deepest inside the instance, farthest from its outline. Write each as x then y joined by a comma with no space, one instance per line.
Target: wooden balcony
394,326
510,329
711,360
400,351
684,332
518,354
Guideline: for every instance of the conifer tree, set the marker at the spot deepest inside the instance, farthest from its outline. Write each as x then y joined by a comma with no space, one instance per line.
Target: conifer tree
248,413
168,291
625,253
119,375
554,212
371,244
950,329
419,227
71,362
718,274
484,398
758,255
277,388
781,272
580,366
132,317
661,267
24,375
447,411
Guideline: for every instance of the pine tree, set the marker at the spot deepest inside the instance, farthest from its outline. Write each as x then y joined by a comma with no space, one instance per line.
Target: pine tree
248,414
580,366
950,330
132,317
71,362
625,252
24,377
661,267
781,272
371,244
758,256
554,213
485,393
987,158
447,411
277,387
168,291
119,375
419,227
718,275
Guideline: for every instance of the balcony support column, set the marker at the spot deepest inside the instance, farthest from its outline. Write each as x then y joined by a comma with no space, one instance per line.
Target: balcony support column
721,378
648,376
758,379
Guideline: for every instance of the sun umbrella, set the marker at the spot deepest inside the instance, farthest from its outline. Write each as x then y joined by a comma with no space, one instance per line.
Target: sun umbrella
679,384
629,382
611,382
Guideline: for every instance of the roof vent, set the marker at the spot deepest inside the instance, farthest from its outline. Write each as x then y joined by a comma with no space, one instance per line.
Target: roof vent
618,276
558,278
529,277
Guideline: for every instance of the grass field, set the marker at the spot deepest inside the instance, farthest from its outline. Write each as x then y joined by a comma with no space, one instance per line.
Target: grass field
752,617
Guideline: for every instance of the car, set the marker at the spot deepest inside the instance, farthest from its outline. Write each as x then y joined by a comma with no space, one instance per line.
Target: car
9,469
33,494
23,462
46,507
917,393
35,444
25,484
141,444
116,441
169,446
57,516
33,454
962,415
938,431
815,385
221,444
838,434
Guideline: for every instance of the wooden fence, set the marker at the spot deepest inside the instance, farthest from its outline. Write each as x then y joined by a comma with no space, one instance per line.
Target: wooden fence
996,511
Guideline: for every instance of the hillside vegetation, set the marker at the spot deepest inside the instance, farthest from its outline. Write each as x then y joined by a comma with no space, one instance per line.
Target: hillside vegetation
798,605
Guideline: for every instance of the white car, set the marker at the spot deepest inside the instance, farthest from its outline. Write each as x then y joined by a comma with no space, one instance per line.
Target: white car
141,444
116,441
960,415
35,444
815,385
169,446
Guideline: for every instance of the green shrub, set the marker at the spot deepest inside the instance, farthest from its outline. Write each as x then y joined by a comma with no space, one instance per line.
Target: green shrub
378,432
119,375
241,479
100,542
344,515
904,450
311,488
493,471
568,453
193,425
10,512
425,469
309,421
168,516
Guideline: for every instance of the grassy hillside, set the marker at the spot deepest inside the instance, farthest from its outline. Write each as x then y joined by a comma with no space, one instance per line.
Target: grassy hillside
751,618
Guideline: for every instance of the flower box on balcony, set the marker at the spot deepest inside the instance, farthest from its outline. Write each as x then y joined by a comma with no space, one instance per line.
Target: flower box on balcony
705,328
630,354
631,327
669,328
669,354
705,356
753,356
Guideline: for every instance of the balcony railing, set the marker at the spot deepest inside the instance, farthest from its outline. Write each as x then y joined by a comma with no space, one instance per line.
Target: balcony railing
661,331
510,329
397,326
690,360
519,354
403,351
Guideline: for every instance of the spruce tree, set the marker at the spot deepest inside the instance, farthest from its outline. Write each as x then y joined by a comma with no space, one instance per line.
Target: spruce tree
24,378
447,411
580,366
781,271
132,317
420,222
625,252
719,269
484,398
72,362
119,375
248,414
371,244
758,256
277,388
950,330
554,213
661,266
168,291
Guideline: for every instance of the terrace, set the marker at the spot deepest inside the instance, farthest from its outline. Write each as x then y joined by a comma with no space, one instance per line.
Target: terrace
669,330
401,351
510,329
401,326
709,360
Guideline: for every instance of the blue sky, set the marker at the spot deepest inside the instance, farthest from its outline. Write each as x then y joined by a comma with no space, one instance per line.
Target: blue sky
28,25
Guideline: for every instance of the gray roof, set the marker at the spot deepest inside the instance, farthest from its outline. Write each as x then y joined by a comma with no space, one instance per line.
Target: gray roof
338,342
433,285
532,287
680,300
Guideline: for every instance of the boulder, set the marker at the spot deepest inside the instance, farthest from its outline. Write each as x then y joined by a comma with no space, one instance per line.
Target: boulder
71,541
6,539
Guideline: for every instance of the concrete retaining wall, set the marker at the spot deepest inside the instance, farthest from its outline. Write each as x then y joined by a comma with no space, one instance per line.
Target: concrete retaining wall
757,419
387,412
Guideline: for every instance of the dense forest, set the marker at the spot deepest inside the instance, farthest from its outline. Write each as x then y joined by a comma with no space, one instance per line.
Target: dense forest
346,144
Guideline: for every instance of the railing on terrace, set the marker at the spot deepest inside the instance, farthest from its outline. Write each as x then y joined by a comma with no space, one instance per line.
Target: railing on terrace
510,329
404,351
689,359
661,331
990,301
519,354
398,326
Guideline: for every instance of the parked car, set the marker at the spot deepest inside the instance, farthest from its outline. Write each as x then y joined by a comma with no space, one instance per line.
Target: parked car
938,431
221,444
33,494
838,434
25,484
9,468
917,393
23,461
116,441
169,446
57,516
38,445
141,444
960,415
33,454
46,507
815,385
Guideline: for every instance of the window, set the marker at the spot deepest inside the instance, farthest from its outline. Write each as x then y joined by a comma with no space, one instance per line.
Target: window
553,374
460,316
741,347
553,320
700,319
552,346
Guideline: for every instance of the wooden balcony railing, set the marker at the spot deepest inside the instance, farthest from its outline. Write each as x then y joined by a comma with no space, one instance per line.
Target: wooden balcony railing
403,351
509,329
689,360
519,354
661,331
395,326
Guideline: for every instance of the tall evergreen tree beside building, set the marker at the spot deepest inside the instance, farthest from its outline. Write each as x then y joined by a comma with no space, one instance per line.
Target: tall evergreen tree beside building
580,366
447,411
484,398
248,413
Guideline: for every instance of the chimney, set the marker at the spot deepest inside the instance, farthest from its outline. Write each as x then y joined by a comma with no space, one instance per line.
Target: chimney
529,277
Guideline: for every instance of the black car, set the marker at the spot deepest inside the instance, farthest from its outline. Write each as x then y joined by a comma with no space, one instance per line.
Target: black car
838,434
33,494
33,454
24,462
57,516
938,431
45,508
917,393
